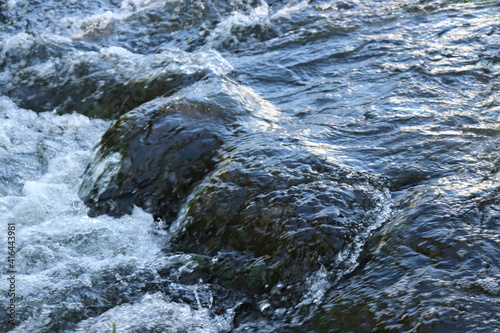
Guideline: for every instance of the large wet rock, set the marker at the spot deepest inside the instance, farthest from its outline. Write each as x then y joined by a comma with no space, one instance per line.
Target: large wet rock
288,210
154,155
152,158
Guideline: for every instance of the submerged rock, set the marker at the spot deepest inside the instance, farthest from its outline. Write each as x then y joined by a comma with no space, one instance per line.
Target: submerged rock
103,83
433,266
290,211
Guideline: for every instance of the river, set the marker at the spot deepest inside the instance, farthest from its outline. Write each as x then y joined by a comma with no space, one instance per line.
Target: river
250,166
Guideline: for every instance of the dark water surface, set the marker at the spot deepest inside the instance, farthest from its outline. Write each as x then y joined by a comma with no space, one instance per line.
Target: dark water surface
314,166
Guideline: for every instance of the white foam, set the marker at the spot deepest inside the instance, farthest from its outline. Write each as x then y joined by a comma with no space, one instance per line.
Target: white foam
349,256
11,4
156,313
64,256
102,171
223,32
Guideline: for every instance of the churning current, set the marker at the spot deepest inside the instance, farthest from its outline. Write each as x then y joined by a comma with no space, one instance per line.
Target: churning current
249,166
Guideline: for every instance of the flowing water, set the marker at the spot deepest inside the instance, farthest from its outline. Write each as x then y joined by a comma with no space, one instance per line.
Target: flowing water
250,166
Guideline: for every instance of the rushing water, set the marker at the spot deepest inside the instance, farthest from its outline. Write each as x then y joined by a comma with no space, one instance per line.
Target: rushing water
251,166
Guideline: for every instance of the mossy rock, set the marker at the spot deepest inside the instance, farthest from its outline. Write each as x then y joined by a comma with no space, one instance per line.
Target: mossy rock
291,210
153,156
